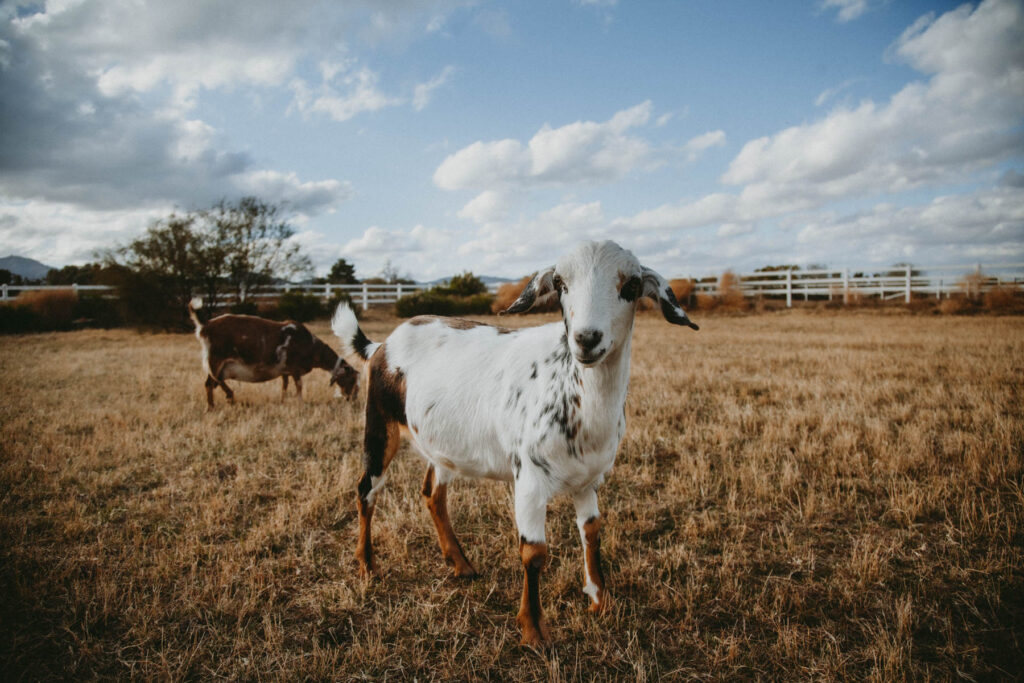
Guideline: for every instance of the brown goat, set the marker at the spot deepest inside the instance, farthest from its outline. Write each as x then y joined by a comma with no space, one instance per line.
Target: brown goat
252,349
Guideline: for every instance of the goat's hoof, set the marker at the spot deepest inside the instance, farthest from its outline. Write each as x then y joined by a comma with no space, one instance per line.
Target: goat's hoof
534,635
461,568
539,639
466,572
603,604
368,570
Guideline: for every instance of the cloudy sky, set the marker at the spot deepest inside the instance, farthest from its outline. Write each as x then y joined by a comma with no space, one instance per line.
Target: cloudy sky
446,135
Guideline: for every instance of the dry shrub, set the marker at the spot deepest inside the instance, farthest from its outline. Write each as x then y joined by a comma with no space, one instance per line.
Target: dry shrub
971,285
954,305
55,307
510,291
730,296
507,293
1003,298
706,302
682,288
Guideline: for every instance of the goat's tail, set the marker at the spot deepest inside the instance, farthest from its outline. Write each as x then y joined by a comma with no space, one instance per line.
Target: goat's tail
193,305
346,329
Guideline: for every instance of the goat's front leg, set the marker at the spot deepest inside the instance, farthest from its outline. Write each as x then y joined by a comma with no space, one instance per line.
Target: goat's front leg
588,519
531,511
298,385
284,387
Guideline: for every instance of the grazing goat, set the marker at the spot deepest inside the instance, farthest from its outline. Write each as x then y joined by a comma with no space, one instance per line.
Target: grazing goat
252,349
541,407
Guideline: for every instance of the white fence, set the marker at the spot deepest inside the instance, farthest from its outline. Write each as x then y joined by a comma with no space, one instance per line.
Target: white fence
364,295
894,283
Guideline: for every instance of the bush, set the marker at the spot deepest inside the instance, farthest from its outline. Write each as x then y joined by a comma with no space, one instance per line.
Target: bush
98,311
17,318
300,306
434,302
54,308
244,308
1003,299
465,284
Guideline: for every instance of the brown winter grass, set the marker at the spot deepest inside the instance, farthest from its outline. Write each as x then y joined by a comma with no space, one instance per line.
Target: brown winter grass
798,496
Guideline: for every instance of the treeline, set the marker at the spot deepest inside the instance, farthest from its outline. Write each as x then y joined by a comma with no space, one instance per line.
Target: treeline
225,254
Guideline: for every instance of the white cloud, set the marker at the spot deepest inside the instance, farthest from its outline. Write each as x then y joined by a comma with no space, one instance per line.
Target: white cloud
966,117
696,146
848,9
585,151
487,207
986,225
345,91
423,91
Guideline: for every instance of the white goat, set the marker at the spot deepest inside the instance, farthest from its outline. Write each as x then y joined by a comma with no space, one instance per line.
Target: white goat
542,407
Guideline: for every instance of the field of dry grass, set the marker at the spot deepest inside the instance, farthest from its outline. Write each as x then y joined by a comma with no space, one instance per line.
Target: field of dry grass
829,496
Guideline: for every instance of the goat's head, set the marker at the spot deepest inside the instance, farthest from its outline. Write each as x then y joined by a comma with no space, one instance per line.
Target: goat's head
345,377
598,286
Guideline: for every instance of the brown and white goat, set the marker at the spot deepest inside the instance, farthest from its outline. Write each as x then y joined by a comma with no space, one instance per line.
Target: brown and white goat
252,349
540,407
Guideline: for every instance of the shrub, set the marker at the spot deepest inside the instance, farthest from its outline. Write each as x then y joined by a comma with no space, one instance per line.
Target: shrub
955,305
465,284
300,306
17,318
1003,299
54,308
434,302
683,289
244,308
730,296
510,291
98,311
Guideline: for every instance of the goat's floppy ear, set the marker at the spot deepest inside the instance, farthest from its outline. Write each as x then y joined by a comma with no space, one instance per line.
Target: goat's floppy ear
540,285
657,288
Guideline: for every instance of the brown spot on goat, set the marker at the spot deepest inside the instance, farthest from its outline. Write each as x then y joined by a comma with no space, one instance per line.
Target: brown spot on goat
530,619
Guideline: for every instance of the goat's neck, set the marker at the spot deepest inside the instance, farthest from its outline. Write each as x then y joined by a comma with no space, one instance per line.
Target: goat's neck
605,386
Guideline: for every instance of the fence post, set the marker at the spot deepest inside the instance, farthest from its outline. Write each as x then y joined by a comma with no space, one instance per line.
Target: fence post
907,299
4,297
366,298
789,289
398,293
846,286
327,292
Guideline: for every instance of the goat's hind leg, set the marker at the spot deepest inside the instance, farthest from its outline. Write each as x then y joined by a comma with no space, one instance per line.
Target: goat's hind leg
435,495
381,442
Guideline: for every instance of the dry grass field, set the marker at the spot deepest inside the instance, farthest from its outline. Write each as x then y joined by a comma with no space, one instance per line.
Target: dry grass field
798,496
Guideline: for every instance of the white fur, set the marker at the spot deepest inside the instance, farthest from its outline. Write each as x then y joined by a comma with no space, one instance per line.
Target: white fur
482,402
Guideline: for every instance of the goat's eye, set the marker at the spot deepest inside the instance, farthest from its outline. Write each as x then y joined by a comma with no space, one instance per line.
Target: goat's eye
559,283
631,290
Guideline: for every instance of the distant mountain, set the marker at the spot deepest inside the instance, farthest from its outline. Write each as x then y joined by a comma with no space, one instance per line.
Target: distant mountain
30,269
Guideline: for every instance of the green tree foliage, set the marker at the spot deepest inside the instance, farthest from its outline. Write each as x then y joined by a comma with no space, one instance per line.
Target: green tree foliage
235,247
464,294
465,284
342,273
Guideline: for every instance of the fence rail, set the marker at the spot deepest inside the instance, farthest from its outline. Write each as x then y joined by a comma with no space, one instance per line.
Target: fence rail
895,283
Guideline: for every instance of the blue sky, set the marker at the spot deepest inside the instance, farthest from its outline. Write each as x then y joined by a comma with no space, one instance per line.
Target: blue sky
451,135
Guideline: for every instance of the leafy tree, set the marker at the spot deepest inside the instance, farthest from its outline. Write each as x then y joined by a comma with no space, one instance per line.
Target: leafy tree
254,240
465,284
237,246
342,273
9,278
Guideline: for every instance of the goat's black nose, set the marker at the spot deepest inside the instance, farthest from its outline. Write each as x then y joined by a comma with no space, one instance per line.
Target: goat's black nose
588,339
